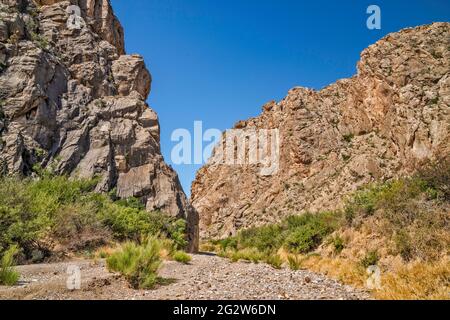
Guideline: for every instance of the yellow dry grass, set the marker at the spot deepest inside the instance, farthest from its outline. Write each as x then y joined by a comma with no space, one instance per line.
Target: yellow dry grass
417,281
412,281
343,270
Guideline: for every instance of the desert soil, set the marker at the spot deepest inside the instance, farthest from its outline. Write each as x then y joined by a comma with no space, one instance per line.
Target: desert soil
206,277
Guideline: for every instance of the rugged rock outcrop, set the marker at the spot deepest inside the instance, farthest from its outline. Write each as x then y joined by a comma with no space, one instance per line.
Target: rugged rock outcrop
71,100
386,121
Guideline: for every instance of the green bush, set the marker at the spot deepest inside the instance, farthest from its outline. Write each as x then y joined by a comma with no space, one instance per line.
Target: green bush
303,240
130,203
266,238
8,276
338,244
274,260
56,209
139,264
370,259
411,213
182,257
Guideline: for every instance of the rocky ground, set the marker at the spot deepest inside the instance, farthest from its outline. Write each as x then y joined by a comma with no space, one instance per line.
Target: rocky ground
206,277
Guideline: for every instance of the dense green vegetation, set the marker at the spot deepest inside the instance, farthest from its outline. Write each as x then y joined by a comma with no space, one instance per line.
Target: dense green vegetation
138,263
39,214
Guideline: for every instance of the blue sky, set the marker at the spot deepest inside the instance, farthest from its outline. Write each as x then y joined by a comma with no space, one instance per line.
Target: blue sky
219,61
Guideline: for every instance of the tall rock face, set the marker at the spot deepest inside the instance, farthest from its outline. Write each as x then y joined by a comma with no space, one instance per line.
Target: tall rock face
71,100
386,121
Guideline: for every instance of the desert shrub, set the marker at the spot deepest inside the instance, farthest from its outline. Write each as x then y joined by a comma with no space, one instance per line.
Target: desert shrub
403,244
362,203
208,247
25,218
131,223
338,244
35,214
182,257
176,230
274,260
139,264
417,281
294,262
348,137
40,40
228,243
412,212
303,240
437,178
370,259
103,254
266,238
247,254
306,232
30,210
328,220
393,198
8,276
130,203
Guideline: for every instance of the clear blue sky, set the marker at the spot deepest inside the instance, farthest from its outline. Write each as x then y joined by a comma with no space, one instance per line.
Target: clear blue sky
219,61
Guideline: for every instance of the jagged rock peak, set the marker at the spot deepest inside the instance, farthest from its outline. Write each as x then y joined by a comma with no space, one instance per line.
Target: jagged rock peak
71,100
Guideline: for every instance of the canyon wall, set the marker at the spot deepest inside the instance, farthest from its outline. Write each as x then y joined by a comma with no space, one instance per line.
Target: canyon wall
391,118
72,101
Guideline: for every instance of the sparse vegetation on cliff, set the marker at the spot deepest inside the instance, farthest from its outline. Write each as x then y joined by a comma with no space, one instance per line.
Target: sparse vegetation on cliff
296,234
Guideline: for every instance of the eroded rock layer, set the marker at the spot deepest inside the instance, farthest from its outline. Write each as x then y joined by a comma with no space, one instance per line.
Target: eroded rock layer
70,99
386,121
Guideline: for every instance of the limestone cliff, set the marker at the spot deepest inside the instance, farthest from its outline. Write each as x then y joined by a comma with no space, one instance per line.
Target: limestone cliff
71,100
386,121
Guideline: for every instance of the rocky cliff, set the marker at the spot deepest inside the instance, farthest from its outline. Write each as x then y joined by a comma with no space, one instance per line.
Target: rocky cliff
73,101
386,121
